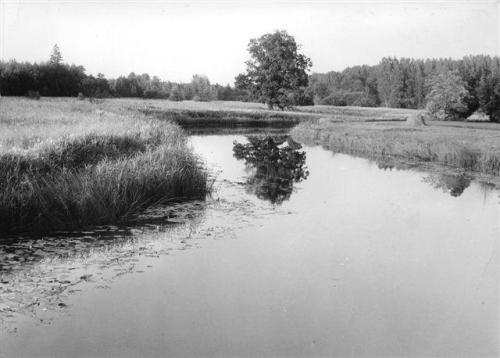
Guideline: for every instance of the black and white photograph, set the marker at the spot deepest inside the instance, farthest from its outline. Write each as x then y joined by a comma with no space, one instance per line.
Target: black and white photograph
236,178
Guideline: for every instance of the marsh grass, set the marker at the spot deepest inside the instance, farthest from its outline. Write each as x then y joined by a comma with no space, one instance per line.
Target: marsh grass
111,191
474,150
359,114
69,164
225,118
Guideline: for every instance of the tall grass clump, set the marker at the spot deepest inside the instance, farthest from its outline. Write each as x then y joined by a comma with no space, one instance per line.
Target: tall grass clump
95,176
111,191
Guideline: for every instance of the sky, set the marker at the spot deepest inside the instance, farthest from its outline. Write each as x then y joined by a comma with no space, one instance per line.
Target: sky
176,39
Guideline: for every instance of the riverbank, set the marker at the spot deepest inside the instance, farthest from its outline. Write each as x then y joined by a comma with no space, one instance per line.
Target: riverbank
71,163
67,164
231,114
471,147
360,131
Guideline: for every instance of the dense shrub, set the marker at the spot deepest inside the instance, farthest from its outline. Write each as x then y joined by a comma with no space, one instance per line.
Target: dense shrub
341,98
175,95
33,95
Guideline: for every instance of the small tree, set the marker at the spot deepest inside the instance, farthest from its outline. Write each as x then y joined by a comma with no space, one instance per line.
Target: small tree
276,72
446,99
175,94
202,89
55,56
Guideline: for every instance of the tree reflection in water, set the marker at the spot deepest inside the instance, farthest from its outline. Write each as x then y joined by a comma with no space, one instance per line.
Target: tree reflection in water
277,163
455,184
452,183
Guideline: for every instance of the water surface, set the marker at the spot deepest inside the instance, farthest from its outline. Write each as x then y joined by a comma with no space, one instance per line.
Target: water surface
327,256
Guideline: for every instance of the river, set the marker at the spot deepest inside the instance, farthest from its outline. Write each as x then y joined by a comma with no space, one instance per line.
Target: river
298,252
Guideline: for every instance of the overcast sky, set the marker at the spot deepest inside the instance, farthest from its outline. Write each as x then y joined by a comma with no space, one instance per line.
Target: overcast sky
175,40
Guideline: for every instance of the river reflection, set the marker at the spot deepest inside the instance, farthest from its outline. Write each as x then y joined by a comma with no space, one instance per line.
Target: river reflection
444,180
454,184
37,274
276,163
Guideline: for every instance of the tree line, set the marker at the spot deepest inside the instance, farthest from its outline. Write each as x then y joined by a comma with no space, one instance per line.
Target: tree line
57,79
277,75
472,83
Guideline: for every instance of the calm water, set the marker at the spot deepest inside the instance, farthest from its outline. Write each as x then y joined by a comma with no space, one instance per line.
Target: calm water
296,254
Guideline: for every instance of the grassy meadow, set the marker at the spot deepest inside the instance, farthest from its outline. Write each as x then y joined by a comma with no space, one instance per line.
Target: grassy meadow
67,164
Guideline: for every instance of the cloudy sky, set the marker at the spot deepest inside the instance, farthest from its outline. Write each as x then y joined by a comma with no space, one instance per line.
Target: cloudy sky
175,39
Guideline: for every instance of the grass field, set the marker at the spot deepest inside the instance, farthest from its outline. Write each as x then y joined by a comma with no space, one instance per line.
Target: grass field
67,164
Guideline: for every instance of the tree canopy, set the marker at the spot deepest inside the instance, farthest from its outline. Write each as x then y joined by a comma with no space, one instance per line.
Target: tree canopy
446,100
276,72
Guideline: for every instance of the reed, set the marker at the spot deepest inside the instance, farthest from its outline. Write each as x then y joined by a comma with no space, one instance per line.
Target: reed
106,172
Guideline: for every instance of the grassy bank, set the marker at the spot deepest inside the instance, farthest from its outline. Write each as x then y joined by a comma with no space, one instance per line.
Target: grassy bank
368,132
359,114
204,119
227,114
67,164
474,148
191,114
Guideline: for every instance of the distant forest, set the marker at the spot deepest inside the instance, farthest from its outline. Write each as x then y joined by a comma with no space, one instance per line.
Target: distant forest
397,83
63,80
57,79
406,83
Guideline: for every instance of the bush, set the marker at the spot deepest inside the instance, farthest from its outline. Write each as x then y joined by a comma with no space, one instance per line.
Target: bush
333,100
96,100
33,95
153,94
344,98
175,95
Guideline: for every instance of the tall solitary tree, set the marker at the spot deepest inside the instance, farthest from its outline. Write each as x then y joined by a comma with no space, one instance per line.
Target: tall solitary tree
55,56
276,72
